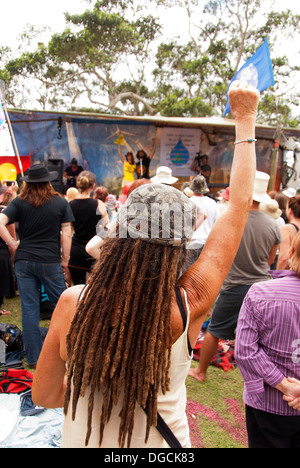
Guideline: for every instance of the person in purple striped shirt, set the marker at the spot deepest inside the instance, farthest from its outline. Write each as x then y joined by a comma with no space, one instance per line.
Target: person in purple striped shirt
267,352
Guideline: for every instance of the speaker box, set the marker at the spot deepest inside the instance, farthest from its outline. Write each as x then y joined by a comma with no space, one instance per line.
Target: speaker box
58,166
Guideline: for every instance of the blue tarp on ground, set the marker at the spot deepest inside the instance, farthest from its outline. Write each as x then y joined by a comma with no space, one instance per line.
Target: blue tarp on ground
43,430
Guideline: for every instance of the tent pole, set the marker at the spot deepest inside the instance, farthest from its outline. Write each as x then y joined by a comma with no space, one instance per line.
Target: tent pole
274,165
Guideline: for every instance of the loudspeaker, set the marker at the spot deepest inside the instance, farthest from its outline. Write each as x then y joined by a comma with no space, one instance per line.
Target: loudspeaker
58,166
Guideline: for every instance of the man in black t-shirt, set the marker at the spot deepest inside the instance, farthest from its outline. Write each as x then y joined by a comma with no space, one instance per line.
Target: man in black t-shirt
39,229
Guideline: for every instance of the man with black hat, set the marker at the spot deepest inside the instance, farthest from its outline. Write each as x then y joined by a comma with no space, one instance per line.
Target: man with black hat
72,172
43,251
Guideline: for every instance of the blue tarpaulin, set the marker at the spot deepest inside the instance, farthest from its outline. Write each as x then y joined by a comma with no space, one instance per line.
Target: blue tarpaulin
90,140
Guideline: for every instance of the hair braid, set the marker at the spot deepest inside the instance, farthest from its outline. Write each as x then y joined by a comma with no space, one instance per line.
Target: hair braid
120,338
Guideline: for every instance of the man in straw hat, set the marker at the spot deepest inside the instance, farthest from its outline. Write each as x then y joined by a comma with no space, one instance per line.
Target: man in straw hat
256,253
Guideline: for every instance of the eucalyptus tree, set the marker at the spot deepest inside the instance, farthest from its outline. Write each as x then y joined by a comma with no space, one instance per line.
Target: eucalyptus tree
130,57
101,56
192,74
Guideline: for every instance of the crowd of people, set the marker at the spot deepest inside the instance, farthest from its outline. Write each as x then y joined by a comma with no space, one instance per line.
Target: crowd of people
128,310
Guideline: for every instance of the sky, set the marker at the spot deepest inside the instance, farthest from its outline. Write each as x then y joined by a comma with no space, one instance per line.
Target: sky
17,13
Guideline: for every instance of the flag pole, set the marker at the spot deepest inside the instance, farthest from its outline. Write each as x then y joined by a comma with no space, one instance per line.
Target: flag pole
13,139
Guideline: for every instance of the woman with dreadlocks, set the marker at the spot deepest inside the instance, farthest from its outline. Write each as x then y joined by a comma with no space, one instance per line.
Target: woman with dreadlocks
119,351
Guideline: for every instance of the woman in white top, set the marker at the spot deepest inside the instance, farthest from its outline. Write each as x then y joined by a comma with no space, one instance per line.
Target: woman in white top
125,344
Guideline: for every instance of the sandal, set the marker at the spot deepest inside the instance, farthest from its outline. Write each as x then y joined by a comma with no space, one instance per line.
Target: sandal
4,312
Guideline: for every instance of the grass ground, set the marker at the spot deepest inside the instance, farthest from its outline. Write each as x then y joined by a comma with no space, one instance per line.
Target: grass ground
215,408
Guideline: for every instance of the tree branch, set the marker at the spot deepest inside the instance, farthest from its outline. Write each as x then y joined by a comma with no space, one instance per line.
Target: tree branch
133,97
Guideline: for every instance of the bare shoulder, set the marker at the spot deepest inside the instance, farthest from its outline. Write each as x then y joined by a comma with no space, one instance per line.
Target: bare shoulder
62,318
67,304
72,292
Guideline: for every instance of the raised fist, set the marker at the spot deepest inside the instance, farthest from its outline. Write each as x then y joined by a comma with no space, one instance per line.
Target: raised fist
243,99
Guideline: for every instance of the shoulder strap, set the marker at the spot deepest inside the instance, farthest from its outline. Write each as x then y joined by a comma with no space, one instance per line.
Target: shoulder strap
166,432
296,227
183,315
162,426
81,294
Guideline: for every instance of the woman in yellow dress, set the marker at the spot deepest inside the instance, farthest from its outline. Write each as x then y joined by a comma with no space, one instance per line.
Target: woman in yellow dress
129,167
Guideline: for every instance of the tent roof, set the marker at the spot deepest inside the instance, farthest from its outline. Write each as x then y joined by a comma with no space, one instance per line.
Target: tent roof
215,124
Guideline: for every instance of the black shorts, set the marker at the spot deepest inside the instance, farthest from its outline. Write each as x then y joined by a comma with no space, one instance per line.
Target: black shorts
226,312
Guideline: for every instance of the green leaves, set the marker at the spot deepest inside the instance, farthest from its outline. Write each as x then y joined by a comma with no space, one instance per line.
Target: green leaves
114,56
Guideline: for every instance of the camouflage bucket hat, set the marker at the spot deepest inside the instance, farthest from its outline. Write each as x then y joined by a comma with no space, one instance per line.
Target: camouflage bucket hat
159,214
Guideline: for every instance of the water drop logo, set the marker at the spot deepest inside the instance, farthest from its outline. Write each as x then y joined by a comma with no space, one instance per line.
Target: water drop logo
179,154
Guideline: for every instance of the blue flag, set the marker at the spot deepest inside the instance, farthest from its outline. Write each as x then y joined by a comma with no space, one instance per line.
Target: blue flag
257,71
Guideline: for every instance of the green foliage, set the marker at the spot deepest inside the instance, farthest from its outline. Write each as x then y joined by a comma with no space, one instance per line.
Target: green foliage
176,105
222,39
27,63
114,56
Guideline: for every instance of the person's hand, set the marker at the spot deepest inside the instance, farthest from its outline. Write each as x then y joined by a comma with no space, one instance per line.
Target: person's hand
243,99
13,245
293,397
15,189
15,186
64,263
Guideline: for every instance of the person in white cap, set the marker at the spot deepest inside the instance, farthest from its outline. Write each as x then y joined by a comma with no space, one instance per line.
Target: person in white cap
290,192
256,253
164,176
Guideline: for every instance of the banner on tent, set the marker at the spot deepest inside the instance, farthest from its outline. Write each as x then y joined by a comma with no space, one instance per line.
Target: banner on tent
179,147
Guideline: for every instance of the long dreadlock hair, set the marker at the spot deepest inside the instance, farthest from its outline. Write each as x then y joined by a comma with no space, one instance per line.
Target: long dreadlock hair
120,338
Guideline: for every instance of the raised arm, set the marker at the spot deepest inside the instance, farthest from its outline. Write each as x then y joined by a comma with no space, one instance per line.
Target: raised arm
195,165
203,280
120,153
153,149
